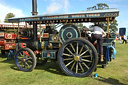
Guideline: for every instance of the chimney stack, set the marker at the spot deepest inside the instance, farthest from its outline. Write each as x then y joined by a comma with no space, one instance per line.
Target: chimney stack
34,7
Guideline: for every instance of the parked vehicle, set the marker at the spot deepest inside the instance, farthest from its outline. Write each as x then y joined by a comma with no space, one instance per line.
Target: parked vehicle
76,56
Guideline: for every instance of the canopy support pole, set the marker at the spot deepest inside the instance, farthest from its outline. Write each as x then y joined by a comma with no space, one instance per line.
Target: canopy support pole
35,30
18,31
108,25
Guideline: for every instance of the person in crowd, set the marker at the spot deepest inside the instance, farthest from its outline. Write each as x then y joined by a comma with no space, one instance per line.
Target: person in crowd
124,39
120,40
98,32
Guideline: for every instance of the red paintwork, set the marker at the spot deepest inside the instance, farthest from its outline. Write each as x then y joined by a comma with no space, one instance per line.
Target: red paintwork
10,36
1,42
23,38
26,53
45,35
9,46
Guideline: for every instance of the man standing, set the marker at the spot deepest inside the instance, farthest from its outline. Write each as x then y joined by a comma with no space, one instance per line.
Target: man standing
97,35
124,38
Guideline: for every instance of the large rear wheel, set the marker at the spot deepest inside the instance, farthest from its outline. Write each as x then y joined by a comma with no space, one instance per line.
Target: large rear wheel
77,57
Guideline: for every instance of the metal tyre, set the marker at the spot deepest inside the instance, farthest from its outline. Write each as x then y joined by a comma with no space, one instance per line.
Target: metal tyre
25,59
77,57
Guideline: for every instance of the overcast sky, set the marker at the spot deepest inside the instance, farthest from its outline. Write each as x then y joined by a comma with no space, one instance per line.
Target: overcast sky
23,8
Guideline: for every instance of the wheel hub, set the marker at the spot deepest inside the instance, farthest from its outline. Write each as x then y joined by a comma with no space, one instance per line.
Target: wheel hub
77,58
24,60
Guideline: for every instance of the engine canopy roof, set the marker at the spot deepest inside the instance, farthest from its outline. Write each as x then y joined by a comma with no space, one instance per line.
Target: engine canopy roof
85,16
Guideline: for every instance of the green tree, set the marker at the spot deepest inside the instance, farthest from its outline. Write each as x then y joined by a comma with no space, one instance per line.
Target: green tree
112,25
99,6
9,15
80,26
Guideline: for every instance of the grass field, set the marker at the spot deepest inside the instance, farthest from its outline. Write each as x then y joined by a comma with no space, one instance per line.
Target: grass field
116,73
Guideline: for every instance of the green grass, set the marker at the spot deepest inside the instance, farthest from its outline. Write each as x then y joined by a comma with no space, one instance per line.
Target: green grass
116,73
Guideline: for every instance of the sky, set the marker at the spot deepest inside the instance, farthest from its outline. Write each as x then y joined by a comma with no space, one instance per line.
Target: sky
23,8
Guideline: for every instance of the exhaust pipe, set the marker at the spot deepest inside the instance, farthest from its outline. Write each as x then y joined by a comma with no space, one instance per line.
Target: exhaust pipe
34,7
34,12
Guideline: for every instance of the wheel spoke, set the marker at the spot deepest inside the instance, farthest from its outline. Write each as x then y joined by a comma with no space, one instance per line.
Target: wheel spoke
72,47
21,54
70,51
81,49
29,57
84,53
24,65
81,67
86,56
68,59
86,60
67,54
85,65
77,48
29,61
27,64
20,59
73,65
26,56
77,67
69,63
20,62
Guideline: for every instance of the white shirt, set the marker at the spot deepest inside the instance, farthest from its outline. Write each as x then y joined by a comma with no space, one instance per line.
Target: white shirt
125,37
96,30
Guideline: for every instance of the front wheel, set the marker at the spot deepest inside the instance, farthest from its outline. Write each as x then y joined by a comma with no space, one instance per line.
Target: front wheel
77,57
25,59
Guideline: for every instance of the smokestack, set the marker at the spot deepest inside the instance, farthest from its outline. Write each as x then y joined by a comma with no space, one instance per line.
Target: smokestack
34,12
34,7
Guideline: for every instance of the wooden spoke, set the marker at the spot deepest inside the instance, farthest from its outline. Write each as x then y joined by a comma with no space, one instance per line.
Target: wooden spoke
67,54
27,64
72,47
21,54
68,59
85,65
84,53
86,47
24,54
70,51
90,51
29,61
24,65
77,48
69,63
81,67
73,65
81,49
29,57
86,60
20,62
77,67
20,59
86,56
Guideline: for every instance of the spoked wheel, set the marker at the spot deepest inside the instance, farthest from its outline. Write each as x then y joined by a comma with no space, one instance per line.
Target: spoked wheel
77,57
25,59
